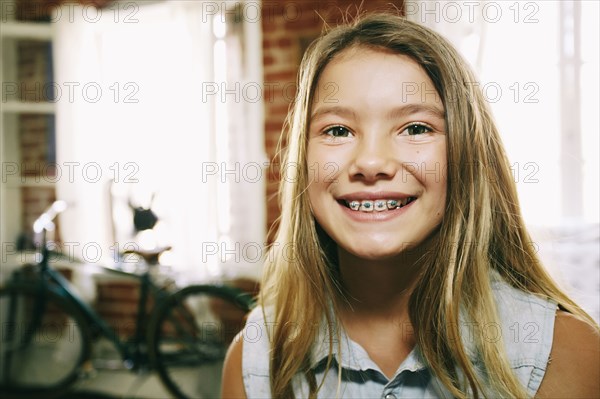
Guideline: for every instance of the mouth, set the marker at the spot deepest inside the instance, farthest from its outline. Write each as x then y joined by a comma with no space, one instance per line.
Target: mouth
376,205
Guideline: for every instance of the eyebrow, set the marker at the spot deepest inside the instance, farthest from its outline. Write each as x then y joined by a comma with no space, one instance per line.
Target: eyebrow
395,113
335,110
409,109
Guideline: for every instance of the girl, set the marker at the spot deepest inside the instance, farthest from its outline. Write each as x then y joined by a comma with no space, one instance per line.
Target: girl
402,266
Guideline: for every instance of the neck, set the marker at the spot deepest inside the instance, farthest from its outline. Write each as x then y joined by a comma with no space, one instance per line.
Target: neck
380,289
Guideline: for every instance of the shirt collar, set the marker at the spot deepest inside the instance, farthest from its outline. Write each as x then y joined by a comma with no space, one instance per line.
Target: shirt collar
353,356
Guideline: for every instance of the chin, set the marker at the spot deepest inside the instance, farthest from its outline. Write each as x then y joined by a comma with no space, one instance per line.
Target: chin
374,250
374,253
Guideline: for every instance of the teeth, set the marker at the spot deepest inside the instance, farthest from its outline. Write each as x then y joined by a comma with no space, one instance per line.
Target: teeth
366,206
379,205
354,205
392,204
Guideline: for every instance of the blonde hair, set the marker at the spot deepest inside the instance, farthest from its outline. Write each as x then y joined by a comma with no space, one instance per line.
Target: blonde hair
482,229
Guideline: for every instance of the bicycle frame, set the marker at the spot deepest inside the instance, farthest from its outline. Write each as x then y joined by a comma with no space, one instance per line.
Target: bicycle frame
130,352
173,337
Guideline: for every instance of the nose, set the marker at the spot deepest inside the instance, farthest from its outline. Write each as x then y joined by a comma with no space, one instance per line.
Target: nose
373,160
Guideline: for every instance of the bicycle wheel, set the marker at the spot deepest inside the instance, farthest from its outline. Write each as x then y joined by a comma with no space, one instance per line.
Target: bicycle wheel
189,336
44,342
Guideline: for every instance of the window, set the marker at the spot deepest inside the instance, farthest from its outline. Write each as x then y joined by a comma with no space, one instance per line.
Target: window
538,67
143,117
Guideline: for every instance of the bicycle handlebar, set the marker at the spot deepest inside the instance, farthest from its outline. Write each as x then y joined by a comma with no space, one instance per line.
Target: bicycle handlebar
44,222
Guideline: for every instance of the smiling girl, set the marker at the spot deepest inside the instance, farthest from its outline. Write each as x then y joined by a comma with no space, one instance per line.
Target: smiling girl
408,271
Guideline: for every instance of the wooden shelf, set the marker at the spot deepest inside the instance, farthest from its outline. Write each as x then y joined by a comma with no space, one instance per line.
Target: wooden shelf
24,107
30,181
27,30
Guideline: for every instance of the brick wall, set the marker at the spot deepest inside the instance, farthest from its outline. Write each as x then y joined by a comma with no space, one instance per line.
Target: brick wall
288,28
117,304
36,131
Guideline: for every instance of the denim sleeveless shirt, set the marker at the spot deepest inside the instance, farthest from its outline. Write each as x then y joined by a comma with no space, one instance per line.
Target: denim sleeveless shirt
526,327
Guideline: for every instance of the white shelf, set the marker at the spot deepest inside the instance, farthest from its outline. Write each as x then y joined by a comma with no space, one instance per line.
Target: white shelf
12,34
26,30
25,107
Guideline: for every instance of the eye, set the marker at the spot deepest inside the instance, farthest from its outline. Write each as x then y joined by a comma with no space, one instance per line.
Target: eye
417,128
337,131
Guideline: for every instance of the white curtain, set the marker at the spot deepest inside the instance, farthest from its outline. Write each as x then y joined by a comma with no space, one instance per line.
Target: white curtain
138,115
526,55
514,48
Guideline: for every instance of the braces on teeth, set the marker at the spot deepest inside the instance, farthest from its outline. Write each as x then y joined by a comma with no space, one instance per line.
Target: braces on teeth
378,205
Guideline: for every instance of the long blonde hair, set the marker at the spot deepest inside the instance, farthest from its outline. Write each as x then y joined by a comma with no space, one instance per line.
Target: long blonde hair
482,229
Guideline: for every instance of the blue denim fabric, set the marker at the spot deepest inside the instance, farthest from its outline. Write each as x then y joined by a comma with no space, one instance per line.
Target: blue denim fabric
526,329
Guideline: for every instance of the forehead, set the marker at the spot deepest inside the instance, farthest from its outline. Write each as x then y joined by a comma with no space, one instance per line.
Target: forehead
375,76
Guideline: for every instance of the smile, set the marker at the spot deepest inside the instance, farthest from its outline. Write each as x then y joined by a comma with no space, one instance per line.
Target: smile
378,205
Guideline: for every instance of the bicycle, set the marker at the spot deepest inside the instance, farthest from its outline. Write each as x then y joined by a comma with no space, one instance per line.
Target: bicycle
48,330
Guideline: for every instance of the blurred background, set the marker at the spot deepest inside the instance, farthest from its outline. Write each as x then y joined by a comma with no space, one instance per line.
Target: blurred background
170,112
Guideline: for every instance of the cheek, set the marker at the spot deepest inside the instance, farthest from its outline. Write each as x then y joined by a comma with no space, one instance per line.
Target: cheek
442,198
441,181
441,173
323,166
315,188
314,158
317,194
432,174
429,166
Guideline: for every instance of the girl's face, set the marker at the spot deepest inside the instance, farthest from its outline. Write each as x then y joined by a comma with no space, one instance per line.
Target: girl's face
376,153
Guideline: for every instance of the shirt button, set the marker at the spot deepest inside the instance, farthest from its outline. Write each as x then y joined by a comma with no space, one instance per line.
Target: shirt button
390,396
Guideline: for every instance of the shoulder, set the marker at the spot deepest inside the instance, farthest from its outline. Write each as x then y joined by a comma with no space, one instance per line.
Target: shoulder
526,327
574,364
553,353
232,385
255,352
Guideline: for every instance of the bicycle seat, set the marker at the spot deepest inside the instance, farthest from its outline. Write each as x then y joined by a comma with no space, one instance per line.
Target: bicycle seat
149,255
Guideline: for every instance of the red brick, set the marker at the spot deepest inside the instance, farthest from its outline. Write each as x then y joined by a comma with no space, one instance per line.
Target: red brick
268,60
284,42
269,27
282,32
286,76
274,126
